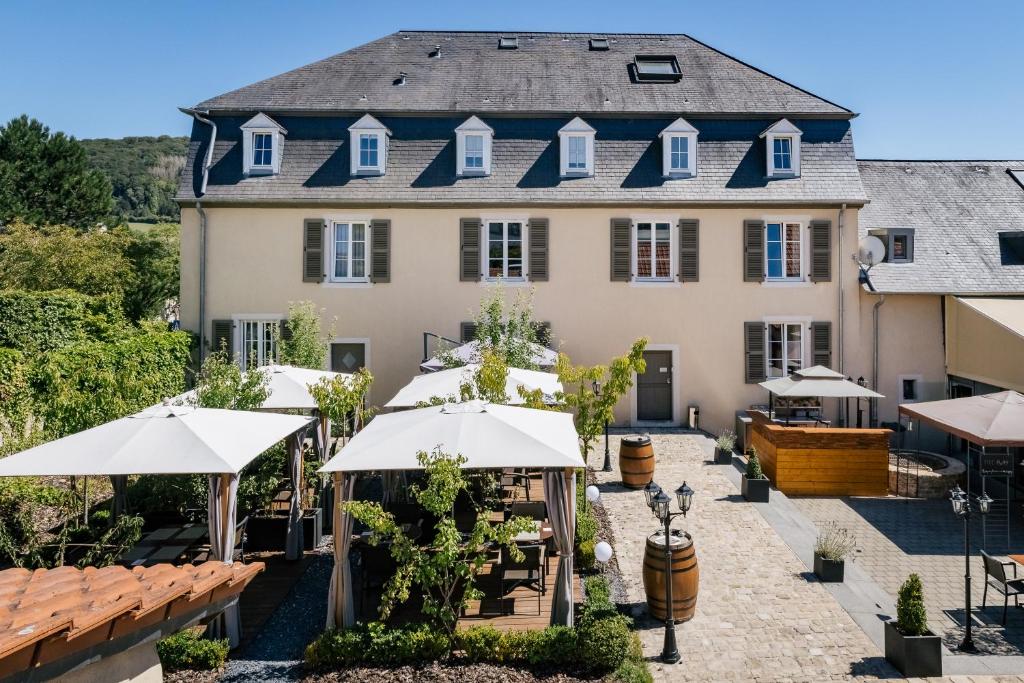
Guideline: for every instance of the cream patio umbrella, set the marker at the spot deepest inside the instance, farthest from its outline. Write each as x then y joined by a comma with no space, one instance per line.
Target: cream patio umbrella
171,439
817,381
446,383
542,357
489,436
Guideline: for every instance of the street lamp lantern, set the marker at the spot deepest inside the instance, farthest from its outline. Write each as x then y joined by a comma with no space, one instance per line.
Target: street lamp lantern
684,497
961,502
984,503
660,505
958,504
650,491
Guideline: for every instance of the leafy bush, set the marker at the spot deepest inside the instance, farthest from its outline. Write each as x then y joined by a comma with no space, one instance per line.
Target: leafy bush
834,542
586,525
478,643
378,644
50,320
337,649
187,650
754,465
911,617
597,590
726,440
634,668
603,643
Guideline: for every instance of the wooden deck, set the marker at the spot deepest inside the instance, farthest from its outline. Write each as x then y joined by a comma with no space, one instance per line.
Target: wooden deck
268,590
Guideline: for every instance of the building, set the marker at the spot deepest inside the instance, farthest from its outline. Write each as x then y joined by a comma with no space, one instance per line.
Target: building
640,185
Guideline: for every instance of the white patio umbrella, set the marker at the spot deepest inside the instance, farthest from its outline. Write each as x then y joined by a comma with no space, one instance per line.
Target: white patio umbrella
543,357
289,386
817,381
445,383
170,439
489,436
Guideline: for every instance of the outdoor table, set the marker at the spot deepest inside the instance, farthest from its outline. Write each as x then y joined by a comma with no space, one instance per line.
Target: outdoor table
1019,559
541,532
165,544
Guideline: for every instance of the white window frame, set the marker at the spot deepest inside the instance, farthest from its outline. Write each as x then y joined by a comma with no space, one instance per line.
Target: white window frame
256,135
264,320
473,126
332,235
805,330
261,124
918,382
485,242
779,130
679,129
672,222
802,241
576,129
368,126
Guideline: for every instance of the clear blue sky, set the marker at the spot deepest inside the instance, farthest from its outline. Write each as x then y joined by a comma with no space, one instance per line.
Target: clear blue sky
934,79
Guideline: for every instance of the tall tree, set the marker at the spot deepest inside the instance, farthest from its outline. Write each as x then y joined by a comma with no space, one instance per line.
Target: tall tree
46,178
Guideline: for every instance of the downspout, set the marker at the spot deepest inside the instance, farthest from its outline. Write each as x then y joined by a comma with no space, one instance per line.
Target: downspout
200,116
873,405
839,321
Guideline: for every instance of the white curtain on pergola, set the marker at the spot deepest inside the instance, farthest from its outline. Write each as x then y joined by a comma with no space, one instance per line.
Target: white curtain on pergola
489,436
170,439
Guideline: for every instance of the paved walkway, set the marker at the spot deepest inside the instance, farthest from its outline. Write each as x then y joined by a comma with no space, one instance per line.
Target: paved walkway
759,615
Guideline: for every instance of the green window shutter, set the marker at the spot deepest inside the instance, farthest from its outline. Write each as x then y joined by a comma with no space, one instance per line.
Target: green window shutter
821,343
380,251
467,332
469,249
821,251
313,250
538,237
753,251
621,248
753,352
543,333
689,250
222,336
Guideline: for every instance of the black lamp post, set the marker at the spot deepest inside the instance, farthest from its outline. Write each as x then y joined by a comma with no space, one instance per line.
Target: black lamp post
962,507
659,503
607,454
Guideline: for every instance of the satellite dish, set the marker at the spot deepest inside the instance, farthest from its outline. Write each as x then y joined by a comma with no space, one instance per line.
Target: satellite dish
870,251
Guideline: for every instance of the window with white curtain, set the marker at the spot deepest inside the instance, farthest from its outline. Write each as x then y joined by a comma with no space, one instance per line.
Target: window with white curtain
653,250
785,352
349,251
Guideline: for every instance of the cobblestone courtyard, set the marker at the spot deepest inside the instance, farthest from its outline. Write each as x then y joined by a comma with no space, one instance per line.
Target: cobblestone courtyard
759,617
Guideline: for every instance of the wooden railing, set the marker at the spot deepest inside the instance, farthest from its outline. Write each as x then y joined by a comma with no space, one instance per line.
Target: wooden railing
822,461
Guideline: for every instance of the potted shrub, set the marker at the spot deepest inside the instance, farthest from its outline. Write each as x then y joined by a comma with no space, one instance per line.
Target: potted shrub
914,650
830,551
723,447
754,484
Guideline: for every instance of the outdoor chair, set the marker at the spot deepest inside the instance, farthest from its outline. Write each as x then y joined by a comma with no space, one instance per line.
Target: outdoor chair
516,477
203,553
995,576
536,510
528,572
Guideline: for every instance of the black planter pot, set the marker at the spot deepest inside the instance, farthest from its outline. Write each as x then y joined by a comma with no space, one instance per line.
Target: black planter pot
754,490
723,457
829,571
913,656
269,533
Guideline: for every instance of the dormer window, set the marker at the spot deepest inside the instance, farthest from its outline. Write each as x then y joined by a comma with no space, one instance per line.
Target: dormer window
369,144
679,150
262,146
473,148
782,142
576,143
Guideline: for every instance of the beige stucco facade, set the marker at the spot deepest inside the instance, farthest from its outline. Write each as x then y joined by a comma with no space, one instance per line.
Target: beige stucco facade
255,260
984,341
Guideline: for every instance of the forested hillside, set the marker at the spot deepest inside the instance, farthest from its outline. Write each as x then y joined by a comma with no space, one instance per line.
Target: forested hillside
144,172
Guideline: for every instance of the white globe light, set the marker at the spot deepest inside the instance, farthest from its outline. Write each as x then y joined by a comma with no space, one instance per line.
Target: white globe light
593,493
603,552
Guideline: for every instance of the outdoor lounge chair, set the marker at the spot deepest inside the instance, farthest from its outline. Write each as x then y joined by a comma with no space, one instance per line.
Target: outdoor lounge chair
514,477
528,572
995,576
535,510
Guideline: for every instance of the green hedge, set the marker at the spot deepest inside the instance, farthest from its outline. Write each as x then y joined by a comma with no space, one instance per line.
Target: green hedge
81,386
14,390
45,321
586,525
187,650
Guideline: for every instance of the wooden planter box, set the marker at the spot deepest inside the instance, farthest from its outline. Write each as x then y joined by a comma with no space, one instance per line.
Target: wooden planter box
913,656
754,490
269,533
829,571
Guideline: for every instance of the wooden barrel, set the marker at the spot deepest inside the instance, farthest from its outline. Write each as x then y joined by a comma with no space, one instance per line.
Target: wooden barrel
685,576
636,461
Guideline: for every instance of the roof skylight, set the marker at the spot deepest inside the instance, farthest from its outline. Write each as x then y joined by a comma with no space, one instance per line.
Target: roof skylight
657,68
598,44
508,43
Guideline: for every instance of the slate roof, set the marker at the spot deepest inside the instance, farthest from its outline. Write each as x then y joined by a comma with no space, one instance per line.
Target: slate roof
957,209
550,73
525,170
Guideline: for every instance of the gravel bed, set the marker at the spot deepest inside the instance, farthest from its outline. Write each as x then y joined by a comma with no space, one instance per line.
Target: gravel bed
275,654
441,673
189,676
605,532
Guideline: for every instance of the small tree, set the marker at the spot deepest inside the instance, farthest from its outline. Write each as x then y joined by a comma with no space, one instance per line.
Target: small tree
445,572
754,465
341,397
507,329
222,384
304,347
911,616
